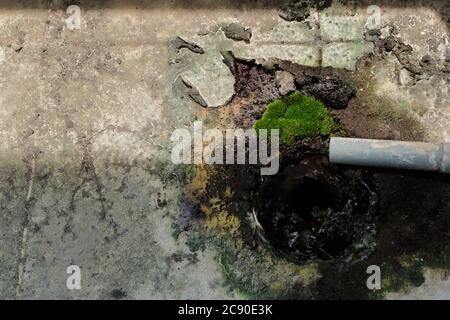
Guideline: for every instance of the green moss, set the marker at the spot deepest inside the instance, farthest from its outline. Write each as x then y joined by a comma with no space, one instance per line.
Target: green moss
297,117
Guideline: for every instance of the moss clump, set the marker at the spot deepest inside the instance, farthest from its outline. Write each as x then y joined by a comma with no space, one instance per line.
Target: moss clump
297,117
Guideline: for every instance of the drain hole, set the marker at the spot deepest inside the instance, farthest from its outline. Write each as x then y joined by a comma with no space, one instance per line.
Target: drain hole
310,197
311,212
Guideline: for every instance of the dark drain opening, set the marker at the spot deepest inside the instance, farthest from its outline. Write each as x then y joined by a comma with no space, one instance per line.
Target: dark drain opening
309,197
311,211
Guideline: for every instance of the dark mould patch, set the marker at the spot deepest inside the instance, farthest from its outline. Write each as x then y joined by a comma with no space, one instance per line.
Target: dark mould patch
413,232
118,293
299,10
179,257
324,84
254,87
322,4
294,11
254,81
188,217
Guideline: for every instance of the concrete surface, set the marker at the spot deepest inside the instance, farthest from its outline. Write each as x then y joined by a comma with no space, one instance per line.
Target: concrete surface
81,129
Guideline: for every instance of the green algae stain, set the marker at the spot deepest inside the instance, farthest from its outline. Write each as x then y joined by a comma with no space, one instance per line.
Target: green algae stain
297,117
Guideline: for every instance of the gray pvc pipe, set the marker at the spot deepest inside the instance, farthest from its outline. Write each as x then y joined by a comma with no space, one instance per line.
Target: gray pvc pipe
391,154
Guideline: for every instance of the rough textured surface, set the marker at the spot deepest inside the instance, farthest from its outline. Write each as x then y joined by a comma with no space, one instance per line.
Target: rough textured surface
295,11
324,84
236,32
84,164
304,43
212,79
